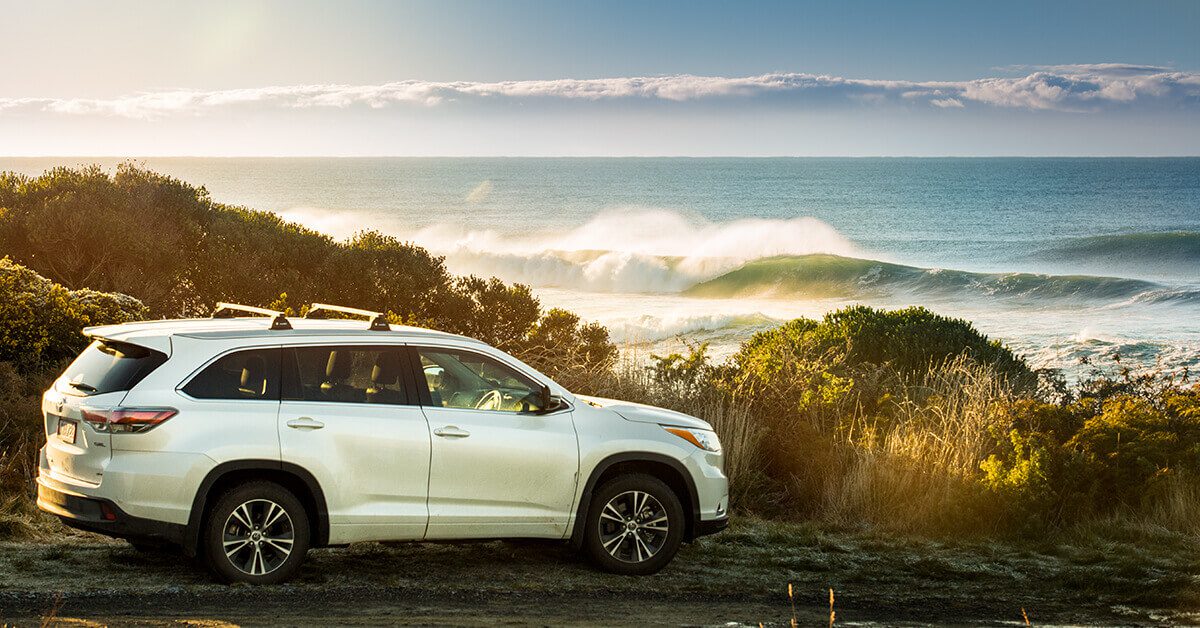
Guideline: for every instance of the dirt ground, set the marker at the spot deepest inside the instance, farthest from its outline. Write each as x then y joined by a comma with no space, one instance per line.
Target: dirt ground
737,578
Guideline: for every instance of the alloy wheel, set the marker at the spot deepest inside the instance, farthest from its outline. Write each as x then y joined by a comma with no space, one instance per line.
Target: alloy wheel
633,526
258,537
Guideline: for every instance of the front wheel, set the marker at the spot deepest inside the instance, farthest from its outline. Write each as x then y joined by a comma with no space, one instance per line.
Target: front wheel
635,525
256,533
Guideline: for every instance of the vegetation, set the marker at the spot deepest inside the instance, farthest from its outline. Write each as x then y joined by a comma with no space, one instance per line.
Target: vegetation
914,422
169,245
903,420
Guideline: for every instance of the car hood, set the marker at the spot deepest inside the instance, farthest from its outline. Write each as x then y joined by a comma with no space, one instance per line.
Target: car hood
642,413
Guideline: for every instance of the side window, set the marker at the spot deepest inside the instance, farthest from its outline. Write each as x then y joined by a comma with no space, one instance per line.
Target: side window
346,374
252,374
462,379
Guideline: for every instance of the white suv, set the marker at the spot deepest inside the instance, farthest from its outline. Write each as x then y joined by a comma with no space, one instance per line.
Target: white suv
248,440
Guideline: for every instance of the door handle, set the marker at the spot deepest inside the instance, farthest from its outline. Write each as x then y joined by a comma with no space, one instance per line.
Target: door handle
451,431
305,423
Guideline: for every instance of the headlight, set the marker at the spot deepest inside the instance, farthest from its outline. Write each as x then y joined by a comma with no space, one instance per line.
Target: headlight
704,439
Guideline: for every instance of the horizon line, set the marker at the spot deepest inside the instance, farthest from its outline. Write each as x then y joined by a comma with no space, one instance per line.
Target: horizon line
664,156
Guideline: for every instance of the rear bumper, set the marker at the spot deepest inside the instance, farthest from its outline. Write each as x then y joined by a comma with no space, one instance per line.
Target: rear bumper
103,516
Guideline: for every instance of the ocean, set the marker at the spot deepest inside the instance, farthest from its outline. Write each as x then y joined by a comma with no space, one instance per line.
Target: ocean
1065,260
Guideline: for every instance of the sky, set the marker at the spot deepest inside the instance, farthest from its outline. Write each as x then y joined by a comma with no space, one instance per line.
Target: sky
599,78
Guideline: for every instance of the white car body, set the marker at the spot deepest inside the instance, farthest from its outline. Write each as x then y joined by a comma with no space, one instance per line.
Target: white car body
370,472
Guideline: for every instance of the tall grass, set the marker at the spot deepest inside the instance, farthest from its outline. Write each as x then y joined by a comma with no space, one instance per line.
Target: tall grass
918,467
894,451
21,436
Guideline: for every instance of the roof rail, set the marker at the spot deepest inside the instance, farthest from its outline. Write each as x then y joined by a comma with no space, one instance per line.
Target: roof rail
229,310
378,319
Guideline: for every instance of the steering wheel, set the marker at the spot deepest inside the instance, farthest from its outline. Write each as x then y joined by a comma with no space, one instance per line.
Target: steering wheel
490,400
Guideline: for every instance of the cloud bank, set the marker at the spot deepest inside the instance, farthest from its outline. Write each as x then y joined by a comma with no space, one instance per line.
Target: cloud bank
1069,88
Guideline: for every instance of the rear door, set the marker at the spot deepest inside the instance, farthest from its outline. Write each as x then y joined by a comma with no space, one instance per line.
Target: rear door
78,451
500,468
349,416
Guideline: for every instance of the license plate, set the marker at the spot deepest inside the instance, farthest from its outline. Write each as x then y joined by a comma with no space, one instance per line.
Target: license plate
66,431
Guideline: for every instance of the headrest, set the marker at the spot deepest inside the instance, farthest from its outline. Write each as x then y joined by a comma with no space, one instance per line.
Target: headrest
338,366
253,374
387,368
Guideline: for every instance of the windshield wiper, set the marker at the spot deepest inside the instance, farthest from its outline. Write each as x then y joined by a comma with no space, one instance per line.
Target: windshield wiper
82,386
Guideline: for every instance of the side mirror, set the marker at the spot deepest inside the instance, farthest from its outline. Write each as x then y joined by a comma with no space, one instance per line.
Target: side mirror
549,402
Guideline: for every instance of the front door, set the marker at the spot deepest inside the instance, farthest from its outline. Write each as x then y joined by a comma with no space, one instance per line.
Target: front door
499,468
350,417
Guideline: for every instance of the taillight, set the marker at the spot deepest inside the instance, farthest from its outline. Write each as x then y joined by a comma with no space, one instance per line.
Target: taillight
127,420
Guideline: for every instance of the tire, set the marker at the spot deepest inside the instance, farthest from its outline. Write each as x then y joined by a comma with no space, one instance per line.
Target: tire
262,557
633,545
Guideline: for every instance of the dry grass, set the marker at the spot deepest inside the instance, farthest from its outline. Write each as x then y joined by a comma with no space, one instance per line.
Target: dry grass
21,437
917,469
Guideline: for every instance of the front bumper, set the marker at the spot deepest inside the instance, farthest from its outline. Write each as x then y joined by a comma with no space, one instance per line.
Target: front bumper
102,516
713,526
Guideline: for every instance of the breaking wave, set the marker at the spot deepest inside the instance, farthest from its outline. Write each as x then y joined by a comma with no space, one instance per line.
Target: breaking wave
630,250
833,276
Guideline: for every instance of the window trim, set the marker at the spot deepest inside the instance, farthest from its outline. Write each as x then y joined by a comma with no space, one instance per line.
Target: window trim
292,369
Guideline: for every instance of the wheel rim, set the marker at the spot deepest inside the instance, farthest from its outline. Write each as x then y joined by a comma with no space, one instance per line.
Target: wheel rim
258,537
633,526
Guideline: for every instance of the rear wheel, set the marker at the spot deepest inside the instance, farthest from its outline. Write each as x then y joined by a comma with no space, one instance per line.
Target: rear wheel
256,533
635,525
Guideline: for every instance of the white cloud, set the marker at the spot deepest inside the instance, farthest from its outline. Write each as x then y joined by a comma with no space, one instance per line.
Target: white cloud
1079,87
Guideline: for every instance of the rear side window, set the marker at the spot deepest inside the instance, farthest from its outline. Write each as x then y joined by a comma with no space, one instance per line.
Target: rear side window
108,366
251,374
347,374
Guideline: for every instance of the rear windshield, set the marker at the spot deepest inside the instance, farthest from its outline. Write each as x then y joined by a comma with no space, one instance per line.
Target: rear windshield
107,366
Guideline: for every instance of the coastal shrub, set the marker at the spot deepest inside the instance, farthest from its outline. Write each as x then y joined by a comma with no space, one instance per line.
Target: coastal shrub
1133,445
853,381
39,332
133,232
168,244
40,320
576,354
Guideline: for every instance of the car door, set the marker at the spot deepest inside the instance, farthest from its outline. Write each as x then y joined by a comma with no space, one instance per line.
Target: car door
499,467
349,416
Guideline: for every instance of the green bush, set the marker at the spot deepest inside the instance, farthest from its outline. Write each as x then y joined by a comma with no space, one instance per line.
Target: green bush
171,246
40,323
574,353
1095,456
1133,444
40,320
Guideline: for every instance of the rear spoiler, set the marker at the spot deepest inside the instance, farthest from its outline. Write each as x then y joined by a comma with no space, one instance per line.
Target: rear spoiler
119,333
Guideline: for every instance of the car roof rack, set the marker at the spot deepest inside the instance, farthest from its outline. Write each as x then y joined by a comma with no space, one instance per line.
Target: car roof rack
230,310
378,319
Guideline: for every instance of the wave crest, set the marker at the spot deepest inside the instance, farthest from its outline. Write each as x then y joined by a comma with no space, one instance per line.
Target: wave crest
832,276
630,250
